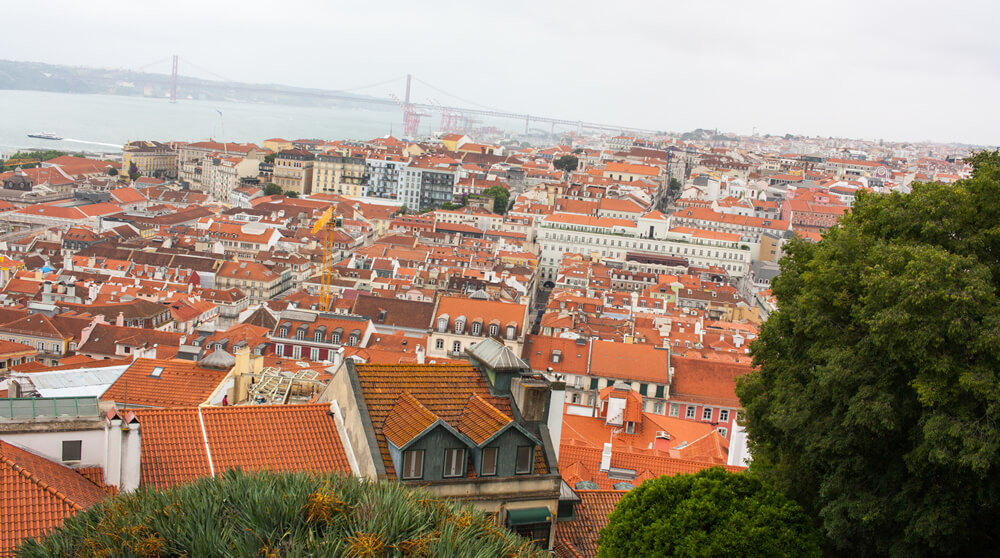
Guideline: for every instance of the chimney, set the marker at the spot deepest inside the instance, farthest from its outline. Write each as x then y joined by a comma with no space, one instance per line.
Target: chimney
557,399
338,357
120,320
242,355
606,458
131,455
68,263
530,395
113,449
421,357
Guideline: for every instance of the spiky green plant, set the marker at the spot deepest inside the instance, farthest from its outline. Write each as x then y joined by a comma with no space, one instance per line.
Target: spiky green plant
279,514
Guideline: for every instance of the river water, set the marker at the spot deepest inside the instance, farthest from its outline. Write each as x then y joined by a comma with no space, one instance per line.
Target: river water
103,123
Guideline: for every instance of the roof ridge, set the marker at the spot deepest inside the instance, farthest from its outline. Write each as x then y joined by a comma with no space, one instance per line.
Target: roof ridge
33,477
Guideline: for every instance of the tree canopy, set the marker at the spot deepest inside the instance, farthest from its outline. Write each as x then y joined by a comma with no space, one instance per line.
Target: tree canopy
501,197
272,189
566,163
280,514
708,514
877,392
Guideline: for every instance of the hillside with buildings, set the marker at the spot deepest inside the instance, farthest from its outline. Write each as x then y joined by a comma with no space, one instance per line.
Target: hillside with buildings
359,307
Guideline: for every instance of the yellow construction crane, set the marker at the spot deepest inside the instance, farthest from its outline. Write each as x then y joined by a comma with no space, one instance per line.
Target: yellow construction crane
328,223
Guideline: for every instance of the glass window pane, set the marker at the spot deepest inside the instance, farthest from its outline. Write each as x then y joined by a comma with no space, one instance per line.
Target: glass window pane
489,461
524,459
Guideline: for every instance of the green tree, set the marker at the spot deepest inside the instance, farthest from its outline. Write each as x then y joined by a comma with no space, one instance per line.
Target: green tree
286,514
403,210
112,171
501,198
675,185
566,163
711,513
291,193
272,189
269,158
877,392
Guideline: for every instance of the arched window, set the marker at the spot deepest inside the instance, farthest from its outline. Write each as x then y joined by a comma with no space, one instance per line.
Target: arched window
442,325
460,325
494,330
477,328
511,331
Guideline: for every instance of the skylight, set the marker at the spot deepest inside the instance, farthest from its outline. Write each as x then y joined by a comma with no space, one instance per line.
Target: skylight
157,371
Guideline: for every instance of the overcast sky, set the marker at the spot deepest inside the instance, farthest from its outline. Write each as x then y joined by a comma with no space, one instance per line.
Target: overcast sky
907,70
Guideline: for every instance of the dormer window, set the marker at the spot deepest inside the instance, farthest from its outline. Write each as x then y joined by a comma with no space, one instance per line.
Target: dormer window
511,331
629,427
460,325
494,330
477,328
318,336
283,332
442,325
353,339
556,356
300,333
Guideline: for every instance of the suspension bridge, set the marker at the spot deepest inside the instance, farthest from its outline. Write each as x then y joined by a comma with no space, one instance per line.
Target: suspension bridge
453,118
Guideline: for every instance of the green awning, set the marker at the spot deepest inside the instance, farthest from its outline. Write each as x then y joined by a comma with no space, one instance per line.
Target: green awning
528,516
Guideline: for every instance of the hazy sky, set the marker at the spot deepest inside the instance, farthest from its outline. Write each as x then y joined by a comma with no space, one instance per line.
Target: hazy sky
907,70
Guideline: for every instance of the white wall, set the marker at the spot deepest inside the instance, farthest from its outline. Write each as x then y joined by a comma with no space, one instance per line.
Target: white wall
49,444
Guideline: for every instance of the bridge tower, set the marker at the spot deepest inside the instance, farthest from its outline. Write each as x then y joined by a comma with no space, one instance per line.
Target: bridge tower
411,116
173,82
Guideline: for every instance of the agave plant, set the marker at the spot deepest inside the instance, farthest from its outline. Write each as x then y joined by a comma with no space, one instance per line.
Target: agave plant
280,514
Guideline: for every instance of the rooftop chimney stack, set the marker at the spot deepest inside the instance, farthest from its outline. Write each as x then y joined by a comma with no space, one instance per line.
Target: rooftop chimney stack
606,458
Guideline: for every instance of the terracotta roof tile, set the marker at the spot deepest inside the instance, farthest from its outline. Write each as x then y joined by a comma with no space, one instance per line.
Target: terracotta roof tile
575,458
38,495
578,538
707,381
181,383
406,420
480,420
444,389
175,449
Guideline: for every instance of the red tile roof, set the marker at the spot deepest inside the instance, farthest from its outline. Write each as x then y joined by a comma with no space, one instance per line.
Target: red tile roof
578,538
406,420
707,381
38,495
175,448
480,420
630,361
181,383
485,310
581,462
444,389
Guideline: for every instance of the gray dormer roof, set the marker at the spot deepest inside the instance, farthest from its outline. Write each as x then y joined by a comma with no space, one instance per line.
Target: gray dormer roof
218,359
497,356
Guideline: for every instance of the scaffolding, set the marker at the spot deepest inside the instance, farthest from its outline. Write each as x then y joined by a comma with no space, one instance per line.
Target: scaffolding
279,387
